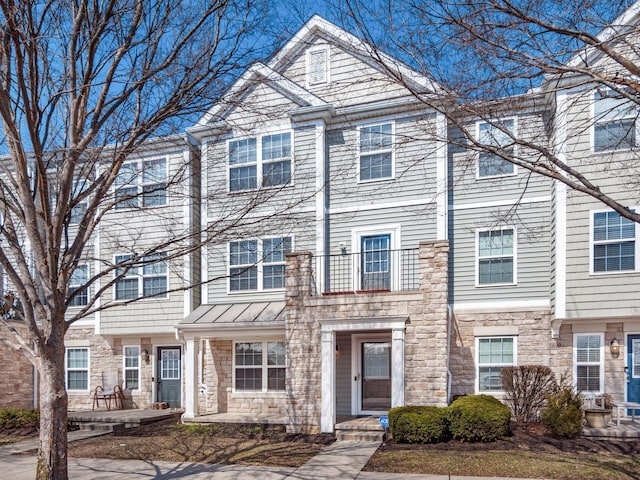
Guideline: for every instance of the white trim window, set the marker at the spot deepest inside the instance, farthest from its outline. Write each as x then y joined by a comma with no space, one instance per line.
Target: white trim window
614,121
77,282
264,163
496,257
588,363
317,63
131,367
153,272
494,135
613,243
493,354
77,368
80,208
142,184
259,366
376,152
258,264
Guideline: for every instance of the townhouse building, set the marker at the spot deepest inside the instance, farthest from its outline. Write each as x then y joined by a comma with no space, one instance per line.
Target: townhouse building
357,256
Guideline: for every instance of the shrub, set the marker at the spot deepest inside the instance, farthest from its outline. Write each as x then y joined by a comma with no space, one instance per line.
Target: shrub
526,389
563,412
479,418
11,418
419,424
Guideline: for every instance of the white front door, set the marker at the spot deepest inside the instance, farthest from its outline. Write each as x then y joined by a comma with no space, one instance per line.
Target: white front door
371,374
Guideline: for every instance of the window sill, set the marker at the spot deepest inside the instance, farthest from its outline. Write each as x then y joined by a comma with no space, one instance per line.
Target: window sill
490,285
616,272
260,189
496,177
375,180
269,290
256,393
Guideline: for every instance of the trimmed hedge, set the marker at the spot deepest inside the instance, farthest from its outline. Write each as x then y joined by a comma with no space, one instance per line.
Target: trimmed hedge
472,418
419,424
479,418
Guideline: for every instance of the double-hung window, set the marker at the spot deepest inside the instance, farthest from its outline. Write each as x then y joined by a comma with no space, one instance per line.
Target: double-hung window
142,184
150,279
80,207
496,136
614,122
493,355
258,264
614,242
496,257
77,368
588,362
259,366
376,152
260,162
131,367
77,287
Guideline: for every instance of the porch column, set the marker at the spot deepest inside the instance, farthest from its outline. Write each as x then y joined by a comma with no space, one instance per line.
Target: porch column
397,367
327,419
190,375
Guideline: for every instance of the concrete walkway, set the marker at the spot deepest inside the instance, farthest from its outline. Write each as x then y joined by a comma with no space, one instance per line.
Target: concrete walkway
339,461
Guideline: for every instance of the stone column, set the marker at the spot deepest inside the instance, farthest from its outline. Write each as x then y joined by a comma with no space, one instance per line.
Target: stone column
304,356
427,336
397,367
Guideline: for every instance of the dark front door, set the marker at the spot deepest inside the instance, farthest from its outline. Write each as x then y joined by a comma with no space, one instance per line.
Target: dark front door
169,376
633,369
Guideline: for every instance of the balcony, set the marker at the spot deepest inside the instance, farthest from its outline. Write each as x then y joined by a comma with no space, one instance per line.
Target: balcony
373,271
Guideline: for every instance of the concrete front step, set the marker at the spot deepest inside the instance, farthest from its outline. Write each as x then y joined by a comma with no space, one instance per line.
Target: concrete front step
101,426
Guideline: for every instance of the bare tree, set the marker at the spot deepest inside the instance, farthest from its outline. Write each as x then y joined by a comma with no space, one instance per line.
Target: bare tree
84,86
495,58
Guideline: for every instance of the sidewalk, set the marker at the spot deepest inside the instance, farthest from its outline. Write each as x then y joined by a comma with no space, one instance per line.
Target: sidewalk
339,461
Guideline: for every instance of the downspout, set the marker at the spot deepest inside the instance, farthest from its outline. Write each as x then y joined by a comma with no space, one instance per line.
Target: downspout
449,376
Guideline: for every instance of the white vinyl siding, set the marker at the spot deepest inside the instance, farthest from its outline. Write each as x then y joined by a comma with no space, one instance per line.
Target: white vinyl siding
614,122
77,369
259,366
588,362
497,135
376,152
259,162
493,355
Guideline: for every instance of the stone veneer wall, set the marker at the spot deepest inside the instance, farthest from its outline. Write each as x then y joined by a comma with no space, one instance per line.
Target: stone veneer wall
16,382
614,374
426,336
104,357
219,396
534,343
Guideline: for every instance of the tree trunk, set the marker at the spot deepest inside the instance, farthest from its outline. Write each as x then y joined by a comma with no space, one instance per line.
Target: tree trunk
52,454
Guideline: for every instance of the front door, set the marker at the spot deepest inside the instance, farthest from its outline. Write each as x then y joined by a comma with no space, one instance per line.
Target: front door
169,376
633,369
374,377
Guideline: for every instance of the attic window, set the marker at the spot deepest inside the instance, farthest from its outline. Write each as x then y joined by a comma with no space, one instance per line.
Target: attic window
317,63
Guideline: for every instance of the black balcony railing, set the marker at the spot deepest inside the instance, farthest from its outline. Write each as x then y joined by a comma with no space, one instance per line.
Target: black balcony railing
382,270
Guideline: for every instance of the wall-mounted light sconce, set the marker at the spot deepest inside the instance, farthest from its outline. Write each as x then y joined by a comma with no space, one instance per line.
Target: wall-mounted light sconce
343,248
145,356
338,348
614,347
